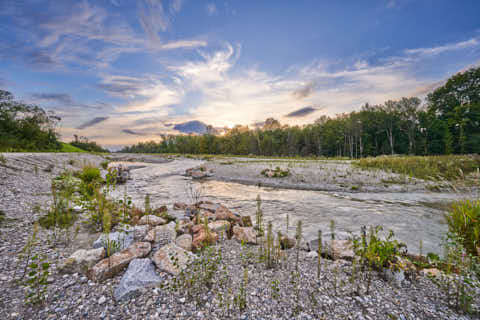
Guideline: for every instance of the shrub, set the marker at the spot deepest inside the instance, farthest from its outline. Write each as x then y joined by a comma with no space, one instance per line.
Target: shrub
104,164
376,252
90,174
463,219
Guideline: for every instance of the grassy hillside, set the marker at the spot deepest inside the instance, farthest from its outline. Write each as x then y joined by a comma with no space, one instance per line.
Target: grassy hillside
66,147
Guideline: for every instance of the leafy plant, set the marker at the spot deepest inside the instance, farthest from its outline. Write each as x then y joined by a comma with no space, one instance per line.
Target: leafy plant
377,252
37,280
198,277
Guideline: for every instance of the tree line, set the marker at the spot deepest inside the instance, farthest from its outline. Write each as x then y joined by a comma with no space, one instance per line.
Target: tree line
448,122
25,127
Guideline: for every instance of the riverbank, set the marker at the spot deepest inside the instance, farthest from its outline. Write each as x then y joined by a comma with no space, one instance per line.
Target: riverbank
319,175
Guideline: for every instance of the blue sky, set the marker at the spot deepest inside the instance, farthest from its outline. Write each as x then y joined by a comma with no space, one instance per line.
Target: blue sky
123,71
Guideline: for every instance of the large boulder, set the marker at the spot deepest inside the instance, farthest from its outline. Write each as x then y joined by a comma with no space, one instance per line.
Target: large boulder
172,259
81,261
287,242
151,220
223,213
114,241
184,241
138,232
140,274
245,234
162,235
220,226
202,238
111,266
208,206
339,249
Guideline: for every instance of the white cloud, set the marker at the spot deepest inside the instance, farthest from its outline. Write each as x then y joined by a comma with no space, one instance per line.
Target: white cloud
183,44
448,47
89,35
211,9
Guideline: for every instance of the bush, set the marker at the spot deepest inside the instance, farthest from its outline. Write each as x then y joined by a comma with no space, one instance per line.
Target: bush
463,219
377,252
90,174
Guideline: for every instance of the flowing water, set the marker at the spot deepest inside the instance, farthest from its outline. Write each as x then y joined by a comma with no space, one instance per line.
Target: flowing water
414,217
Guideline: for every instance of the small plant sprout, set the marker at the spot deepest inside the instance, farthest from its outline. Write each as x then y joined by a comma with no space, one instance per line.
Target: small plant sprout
148,208
298,237
37,280
319,257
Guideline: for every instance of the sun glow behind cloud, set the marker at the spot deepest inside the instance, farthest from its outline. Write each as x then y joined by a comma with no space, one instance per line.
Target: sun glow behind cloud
227,95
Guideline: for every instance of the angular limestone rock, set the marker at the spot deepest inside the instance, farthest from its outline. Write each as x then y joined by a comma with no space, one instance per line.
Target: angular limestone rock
109,267
151,220
245,234
184,241
162,234
172,259
81,261
140,274
220,226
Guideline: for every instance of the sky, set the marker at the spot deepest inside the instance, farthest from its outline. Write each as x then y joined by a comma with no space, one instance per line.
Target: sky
124,71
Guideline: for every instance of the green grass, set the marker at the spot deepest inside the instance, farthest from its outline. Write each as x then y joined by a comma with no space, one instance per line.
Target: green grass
451,167
66,147
464,220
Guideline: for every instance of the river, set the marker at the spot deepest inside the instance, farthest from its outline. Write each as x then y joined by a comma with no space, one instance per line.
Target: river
415,217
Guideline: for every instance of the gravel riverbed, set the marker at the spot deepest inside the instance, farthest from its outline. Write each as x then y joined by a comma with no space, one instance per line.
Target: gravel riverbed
24,189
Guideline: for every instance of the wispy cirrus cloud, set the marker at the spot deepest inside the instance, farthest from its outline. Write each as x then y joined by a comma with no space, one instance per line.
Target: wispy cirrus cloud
474,42
84,34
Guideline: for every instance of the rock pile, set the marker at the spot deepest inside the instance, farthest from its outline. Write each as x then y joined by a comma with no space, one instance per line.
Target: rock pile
199,172
153,242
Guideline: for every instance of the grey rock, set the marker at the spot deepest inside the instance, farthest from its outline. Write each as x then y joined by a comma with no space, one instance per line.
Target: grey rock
162,235
140,274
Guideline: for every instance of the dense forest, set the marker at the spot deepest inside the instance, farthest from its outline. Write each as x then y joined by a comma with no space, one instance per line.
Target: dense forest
448,122
26,127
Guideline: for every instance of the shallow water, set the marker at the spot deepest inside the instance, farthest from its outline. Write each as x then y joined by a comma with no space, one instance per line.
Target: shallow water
414,217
